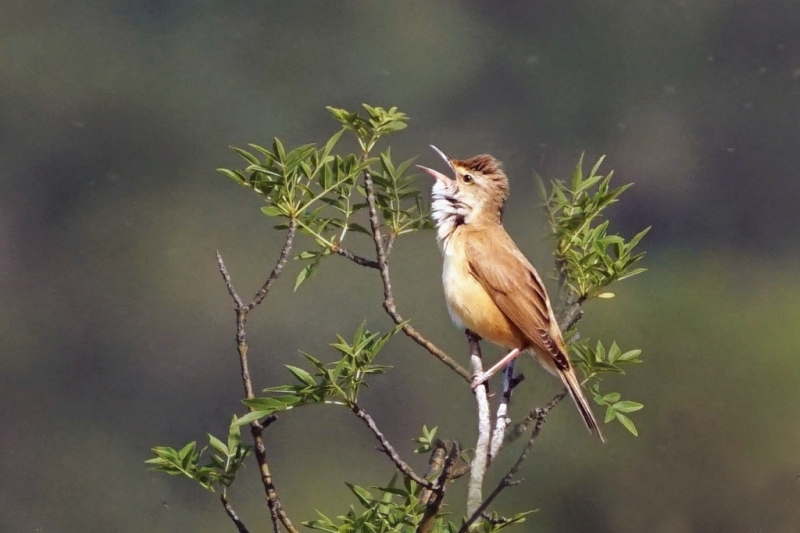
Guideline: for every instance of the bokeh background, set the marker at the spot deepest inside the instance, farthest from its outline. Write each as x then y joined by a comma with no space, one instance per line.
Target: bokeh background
116,333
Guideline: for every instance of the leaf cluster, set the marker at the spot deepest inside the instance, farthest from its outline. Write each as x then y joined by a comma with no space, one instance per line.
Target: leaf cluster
226,459
320,190
397,509
594,361
336,382
588,260
588,257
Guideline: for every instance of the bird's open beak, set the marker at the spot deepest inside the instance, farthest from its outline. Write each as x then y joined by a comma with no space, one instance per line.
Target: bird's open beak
436,174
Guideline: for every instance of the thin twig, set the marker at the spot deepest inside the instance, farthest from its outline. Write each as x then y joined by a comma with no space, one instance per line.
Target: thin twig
435,467
388,296
480,461
282,258
522,426
232,514
508,480
227,278
501,418
390,239
357,259
276,510
571,311
434,504
388,449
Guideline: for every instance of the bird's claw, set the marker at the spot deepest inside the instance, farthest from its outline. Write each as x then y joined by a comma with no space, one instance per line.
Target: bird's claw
479,380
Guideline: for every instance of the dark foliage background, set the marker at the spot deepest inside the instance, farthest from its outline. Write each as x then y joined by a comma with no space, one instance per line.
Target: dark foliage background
116,332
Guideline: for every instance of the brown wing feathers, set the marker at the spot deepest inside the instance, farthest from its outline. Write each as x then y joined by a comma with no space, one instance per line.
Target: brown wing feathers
517,290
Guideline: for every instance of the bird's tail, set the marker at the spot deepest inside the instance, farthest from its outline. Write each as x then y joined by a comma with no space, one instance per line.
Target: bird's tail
576,391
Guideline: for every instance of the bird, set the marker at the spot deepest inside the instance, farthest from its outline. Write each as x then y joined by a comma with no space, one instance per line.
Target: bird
490,288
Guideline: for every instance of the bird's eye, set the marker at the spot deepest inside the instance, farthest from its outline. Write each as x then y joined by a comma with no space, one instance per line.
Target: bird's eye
468,178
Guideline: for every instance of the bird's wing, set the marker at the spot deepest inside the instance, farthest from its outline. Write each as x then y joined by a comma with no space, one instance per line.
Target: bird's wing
518,291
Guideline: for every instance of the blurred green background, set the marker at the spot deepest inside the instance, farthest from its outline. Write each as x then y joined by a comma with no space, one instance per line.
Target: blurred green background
116,333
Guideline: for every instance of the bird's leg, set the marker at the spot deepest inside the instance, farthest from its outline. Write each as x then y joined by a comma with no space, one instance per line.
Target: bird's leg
481,378
475,349
474,343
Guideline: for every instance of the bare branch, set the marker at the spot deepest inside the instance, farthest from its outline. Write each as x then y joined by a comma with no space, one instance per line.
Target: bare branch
388,296
232,514
571,312
227,278
277,512
508,480
357,259
522,426
501,418
282,258
435,467
480,461
388,449
434,504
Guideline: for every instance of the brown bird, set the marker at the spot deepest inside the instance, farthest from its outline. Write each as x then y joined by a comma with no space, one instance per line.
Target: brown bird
490,287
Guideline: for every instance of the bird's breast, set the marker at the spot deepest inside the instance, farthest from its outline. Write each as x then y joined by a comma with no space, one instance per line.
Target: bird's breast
470,305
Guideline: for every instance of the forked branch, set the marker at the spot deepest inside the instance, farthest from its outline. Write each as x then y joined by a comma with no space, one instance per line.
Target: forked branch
388,295
388,449
540,415
277,512
223,498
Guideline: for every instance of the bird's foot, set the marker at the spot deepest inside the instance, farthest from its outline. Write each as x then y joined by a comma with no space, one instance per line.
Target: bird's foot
480,379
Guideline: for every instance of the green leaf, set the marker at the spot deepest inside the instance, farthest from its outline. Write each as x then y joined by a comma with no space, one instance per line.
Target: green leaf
577,173
631,273
364,497
596,166
302,375
280,151
250,158
628,424
187,450
251,416
611,397
630,356
218,445
232,175
613,353
269,405
304,274
627,406
272,211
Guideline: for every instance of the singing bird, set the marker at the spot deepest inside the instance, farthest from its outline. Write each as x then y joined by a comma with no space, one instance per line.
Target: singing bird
490,287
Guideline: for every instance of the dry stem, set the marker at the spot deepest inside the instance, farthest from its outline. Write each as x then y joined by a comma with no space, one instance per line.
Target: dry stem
232,514
388,449
277,512
480,461
540,414
388,296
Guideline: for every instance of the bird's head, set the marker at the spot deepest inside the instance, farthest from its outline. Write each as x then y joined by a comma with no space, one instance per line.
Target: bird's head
476,194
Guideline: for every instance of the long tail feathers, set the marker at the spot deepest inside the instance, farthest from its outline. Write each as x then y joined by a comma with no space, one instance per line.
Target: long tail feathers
574,387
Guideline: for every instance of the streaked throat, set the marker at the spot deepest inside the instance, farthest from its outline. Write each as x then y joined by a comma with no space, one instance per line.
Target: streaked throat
446,211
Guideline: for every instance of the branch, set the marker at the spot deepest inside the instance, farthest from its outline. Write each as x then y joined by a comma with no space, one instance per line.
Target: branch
357,259
522,425
388,449
232,514
434,504
501,419
282,258
508,480
481,460
276,510
571,311
388,297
